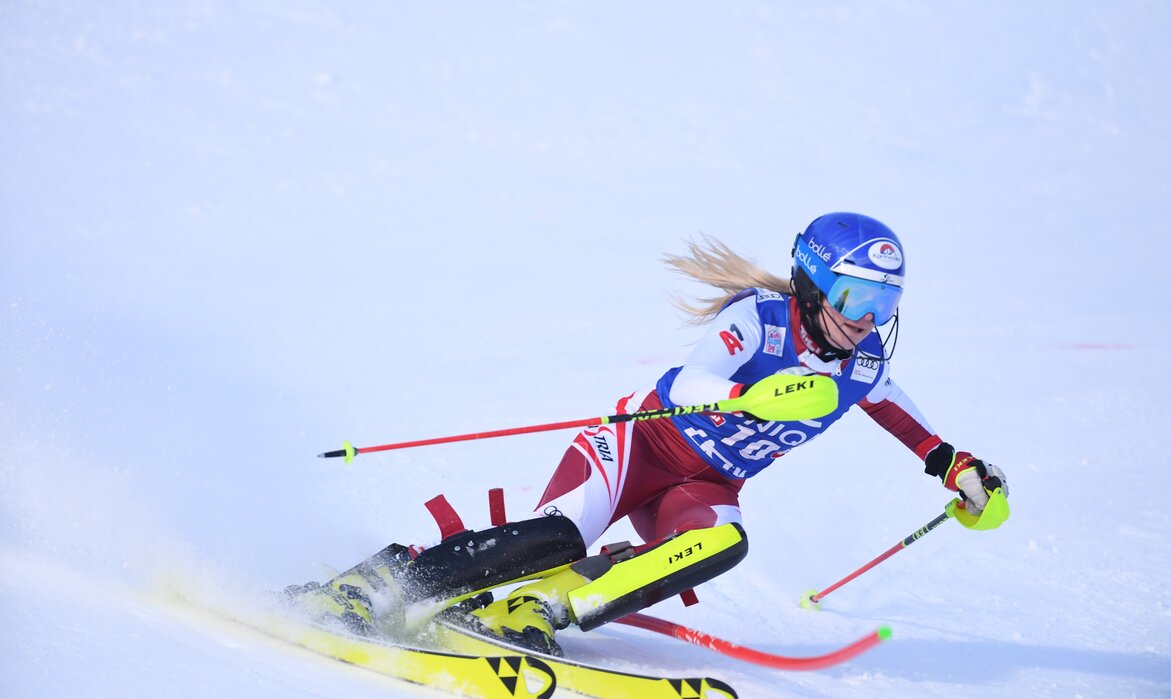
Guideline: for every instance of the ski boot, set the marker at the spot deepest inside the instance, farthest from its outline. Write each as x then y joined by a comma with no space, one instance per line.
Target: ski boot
403,589
529,615
350,598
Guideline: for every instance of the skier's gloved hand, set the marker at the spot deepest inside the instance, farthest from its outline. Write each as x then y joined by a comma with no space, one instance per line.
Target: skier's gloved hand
970,477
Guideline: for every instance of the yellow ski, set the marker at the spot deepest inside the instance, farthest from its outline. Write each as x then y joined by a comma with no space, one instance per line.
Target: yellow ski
589,680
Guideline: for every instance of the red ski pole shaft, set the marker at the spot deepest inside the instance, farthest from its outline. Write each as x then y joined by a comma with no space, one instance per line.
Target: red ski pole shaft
350,451
757,657
912,538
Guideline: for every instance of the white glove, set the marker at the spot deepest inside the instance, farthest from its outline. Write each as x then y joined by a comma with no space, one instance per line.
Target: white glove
976,484
970,477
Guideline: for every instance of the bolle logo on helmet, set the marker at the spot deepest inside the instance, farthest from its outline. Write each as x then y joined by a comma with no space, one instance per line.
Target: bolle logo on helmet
819,250
806,259
885,254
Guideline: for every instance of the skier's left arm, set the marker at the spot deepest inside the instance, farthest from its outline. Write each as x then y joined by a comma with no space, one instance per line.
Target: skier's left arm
893,409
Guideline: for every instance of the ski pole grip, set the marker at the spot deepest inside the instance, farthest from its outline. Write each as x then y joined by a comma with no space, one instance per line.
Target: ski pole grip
785,397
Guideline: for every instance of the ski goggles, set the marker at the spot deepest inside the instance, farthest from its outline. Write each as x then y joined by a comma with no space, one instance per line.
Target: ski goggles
852,296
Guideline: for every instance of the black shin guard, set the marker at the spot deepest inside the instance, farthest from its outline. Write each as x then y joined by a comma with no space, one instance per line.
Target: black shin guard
474,561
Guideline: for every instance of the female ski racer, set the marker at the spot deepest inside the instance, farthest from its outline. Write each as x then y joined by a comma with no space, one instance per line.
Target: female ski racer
678,480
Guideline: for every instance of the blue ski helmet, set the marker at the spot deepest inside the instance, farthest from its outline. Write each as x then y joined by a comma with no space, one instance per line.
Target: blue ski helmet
855,261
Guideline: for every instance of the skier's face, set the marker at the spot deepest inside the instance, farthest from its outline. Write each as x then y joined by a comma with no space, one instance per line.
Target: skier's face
843,333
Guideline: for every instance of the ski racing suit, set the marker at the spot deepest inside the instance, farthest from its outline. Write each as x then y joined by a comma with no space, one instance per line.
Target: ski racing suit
678,480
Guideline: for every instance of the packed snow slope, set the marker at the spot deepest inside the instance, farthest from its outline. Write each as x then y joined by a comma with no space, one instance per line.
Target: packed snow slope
234,234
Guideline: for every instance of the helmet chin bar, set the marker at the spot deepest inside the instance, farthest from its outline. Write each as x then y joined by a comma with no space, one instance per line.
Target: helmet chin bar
892,337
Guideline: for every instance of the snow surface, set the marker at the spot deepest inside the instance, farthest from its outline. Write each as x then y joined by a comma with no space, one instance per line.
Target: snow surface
234,234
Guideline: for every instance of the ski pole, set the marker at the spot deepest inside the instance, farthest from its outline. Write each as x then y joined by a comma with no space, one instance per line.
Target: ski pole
777,398
812,597
995,513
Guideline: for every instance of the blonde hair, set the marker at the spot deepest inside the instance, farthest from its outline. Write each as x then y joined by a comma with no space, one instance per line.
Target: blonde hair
714,263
